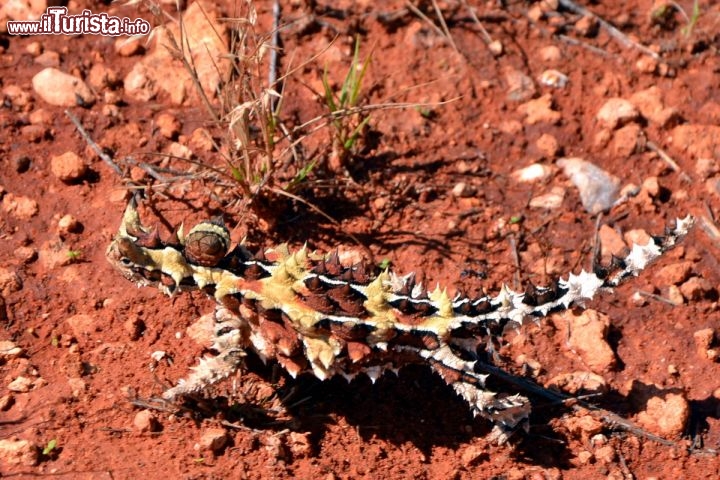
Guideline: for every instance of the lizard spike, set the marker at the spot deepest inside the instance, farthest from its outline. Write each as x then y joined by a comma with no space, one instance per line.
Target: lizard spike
131,225
149,239
174,239
347,275
319,268
530,296
360,273
408,284
219,221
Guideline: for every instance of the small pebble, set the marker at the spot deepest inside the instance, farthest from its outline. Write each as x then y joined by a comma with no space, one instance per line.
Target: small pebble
9,349
128,46
299,444
61,89
587,337
665,414
532,173
706,167
33,133
540,110
9,281
168,125
49,59
703,339
145,421
651,186
101,76
201,140
69,224
554,78
496,48
213,439
463,190
547,145
549,201
22,208
675,295
695,289
18,452
550,54
6,401
68,167
21,384
34,48
587,26
616,112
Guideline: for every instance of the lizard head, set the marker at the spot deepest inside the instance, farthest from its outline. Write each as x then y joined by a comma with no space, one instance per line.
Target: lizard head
139,254
133,250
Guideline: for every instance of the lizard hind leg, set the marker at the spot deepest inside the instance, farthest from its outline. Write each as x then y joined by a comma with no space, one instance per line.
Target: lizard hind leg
507,413
227,335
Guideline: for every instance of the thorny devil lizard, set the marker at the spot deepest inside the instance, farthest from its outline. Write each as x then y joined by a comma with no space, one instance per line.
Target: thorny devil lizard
313,314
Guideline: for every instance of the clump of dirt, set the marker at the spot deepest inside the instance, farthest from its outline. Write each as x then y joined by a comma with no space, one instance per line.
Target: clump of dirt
435,187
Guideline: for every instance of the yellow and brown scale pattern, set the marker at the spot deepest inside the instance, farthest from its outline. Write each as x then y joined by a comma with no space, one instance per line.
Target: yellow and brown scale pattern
313,314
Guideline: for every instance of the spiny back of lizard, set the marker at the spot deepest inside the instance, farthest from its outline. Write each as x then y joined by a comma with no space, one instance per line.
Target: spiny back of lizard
312,313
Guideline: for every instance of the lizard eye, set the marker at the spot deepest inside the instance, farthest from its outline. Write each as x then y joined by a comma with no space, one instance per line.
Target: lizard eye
126,261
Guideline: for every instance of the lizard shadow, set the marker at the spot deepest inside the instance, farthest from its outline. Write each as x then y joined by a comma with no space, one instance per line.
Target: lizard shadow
417,408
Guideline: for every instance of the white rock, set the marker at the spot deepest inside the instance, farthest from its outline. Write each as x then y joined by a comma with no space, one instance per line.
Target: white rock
69,224
18,452
597,188
463,190
549,201
616,112
554,78
9,349
532,173
22,208
20,384
61,89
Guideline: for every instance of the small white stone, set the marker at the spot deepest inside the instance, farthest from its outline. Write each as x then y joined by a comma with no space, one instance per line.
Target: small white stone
9,349
20,207
532,173
18,452
62,89
616,112
20,384
554,78
598,189
496,48
549,201
463,190
68,224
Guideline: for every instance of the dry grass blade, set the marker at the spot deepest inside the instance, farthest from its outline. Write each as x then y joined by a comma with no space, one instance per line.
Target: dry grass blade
612,31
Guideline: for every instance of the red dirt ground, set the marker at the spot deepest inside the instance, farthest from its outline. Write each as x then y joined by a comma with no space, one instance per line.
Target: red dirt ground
87,334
